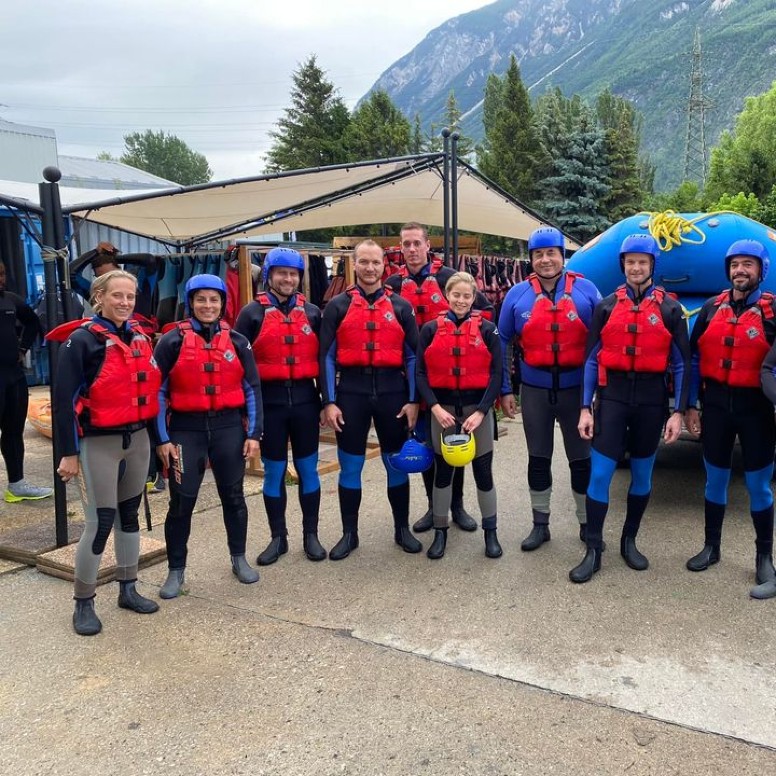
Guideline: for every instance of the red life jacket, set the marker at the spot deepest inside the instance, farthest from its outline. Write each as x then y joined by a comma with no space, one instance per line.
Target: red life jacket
126,388
370,334
427,299
554,335
286,347
207,376
732,349
458,358
634,339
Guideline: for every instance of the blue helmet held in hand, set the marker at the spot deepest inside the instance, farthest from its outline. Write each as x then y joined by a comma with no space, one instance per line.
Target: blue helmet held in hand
413,457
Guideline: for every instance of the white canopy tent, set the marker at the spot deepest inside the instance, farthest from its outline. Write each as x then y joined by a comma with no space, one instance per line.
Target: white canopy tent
385,191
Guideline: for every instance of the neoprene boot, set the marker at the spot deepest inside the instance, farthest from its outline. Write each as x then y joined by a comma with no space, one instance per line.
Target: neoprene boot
344,546
461,517
404,538
708,556
591,563
277,546
173,585
130,599
763,565
492,546
85,620
540,533
766,590
583,536
313,549
243,571
426,523
631,554
437,548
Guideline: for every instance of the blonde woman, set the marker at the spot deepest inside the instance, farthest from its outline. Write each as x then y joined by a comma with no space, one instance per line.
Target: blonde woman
106,392
459,377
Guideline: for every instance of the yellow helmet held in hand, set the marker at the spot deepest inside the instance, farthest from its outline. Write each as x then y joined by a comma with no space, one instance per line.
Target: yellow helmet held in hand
458,449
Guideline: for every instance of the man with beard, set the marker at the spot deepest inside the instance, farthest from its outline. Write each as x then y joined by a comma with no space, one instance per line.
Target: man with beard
731,337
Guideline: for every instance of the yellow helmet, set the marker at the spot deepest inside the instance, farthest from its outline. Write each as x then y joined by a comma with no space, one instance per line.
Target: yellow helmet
458,449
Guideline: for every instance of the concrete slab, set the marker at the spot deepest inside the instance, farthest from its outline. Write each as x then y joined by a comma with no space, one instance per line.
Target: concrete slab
392,663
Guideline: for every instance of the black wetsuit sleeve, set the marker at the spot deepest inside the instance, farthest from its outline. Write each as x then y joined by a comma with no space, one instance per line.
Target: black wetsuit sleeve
493,389
680,352
332,317
251,386
249,321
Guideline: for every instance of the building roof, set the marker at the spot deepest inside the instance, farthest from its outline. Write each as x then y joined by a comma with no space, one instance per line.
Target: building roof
80,172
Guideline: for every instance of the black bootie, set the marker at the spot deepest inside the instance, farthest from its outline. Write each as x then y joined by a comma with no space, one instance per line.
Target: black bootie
540,533
344,546
313,549
492,546
437,548
85,620
461,517
591,563
404,538
763,567
130,599
426,523
631,554
277,546
708,556
243,572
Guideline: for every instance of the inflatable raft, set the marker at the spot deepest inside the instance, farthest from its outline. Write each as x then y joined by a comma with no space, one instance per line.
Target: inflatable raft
39,416
692,246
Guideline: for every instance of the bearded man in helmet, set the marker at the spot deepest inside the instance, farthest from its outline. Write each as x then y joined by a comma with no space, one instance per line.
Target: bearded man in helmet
732,336
283,328
543,327
637,336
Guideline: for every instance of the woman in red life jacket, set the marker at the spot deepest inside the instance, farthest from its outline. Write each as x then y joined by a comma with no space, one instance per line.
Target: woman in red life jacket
105,394
459,377
209,410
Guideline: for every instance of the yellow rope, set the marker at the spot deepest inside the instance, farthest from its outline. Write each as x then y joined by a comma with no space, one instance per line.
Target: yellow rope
670,229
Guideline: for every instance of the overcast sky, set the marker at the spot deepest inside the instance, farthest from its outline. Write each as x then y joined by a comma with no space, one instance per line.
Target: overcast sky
216,73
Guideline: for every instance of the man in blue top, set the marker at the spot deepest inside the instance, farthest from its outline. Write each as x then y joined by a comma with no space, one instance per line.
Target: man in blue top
546,319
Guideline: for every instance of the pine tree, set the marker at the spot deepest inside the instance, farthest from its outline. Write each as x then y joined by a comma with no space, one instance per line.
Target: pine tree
451,121
512,155
310,132
578,185
377,129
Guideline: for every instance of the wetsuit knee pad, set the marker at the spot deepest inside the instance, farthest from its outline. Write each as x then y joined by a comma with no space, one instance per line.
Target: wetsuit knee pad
307,469
641,475
602,470
351,467
105,518
443,472
539,473
394,478
758,484
482,469
128,514
580,474
717,481
274,475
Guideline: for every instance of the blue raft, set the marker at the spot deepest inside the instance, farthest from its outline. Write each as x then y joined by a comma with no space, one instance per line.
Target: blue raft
693,247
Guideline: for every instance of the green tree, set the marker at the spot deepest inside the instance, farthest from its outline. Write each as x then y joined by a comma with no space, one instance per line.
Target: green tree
310,133
745,204
167,156
417,138
377,129
745,160
622,138
574,192
768,209
686,198
451,121
106,156
512,155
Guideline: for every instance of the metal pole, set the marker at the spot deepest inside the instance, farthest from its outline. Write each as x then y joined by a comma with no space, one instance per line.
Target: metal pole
52,213
63,270
454,194
446,191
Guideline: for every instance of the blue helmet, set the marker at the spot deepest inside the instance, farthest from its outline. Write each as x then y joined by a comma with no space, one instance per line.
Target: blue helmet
205,282
282,257
640,243
413,457
751,248
546,237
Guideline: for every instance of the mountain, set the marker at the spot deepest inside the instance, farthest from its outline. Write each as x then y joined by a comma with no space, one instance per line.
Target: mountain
642,49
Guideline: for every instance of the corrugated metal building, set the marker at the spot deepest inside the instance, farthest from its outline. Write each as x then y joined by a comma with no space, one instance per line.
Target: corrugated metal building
25,151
